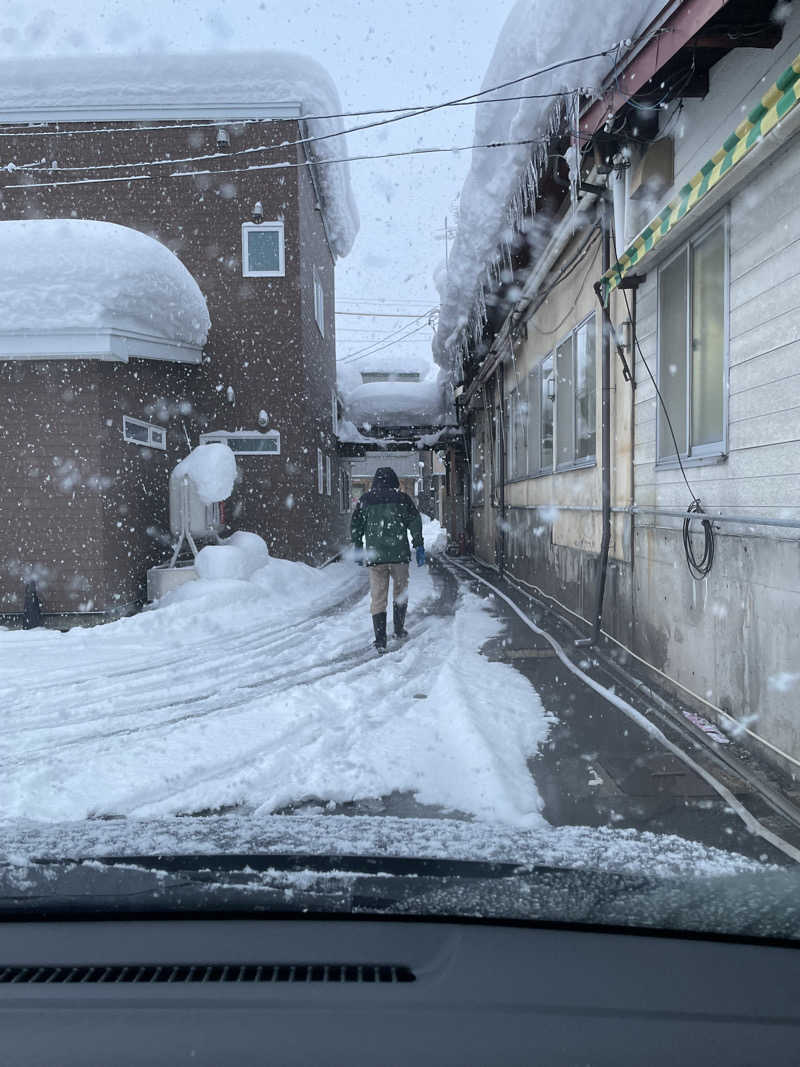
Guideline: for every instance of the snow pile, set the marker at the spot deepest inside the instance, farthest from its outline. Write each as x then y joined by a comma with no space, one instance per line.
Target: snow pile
192,87
265,694
398,404
434,535
534,36
212,471
58,274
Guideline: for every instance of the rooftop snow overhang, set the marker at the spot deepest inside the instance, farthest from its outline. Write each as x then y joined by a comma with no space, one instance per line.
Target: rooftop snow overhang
82,289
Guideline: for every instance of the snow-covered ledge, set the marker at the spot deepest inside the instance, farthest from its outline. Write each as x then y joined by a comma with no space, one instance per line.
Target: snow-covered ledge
81,289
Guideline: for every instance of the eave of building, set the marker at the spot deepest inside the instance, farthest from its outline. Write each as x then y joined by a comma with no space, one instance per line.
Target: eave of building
112,344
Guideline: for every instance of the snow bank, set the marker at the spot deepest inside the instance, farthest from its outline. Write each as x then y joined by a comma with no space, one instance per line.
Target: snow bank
434,535
212,471
245,84
534,36
58,274
263,694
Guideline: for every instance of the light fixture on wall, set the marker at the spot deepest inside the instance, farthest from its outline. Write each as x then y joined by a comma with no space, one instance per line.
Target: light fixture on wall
223,140
257,214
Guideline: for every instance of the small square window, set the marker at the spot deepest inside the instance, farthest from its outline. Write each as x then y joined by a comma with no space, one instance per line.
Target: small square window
263,250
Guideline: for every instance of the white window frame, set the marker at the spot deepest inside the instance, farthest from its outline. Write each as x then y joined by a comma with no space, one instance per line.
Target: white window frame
574,462
226,436
716,450
319,301
334,412
345,490
320,473
276,226
328,479
152,431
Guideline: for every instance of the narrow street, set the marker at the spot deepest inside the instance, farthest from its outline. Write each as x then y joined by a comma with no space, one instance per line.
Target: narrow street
186,712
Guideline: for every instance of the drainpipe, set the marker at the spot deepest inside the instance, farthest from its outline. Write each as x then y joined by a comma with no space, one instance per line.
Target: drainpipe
501,429
605,431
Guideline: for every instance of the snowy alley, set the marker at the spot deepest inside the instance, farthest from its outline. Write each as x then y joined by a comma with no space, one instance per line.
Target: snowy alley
258,705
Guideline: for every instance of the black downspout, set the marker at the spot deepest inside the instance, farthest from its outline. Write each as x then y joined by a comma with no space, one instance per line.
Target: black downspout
605,419
501,426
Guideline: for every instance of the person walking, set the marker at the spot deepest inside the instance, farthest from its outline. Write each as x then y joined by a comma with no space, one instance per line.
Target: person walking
383,519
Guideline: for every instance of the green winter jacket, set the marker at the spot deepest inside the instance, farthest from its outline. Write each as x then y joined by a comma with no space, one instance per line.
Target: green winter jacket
383,519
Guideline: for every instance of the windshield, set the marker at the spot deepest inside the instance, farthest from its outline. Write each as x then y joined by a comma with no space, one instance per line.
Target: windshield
399,461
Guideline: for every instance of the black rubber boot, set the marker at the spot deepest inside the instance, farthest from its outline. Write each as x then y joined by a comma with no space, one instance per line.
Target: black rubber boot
400,620
379,625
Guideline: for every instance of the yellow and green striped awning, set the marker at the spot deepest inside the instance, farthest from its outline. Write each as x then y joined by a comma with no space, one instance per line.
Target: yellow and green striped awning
775,104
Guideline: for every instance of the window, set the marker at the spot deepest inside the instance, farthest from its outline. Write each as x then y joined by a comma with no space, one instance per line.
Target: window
319,302
334,412
369,376
143,433
541,390
245,442
692,343
344,490
262,250
328,485
575,398
320,472
478,458
547,388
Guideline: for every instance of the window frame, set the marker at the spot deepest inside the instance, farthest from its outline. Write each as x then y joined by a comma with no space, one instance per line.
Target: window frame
328,476
320,473
151,429
226,436
319,301
714,451
584,461
274,225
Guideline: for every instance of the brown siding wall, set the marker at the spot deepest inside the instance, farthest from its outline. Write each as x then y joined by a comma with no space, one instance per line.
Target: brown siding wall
260,345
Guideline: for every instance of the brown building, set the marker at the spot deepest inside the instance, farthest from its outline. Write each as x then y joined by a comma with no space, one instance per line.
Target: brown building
100,402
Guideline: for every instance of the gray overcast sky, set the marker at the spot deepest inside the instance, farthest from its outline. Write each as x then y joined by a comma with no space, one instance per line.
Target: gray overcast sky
380,53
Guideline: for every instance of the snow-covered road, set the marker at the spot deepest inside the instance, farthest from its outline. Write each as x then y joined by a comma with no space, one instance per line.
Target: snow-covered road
262,695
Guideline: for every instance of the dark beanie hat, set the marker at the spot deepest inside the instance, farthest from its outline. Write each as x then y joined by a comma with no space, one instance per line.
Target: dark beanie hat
385,478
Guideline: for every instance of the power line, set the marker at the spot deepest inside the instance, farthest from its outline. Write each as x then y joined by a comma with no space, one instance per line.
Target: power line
276,166
470,97
353,358
377,315
379,346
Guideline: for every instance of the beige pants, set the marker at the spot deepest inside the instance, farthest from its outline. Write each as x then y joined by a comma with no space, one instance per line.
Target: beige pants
379,576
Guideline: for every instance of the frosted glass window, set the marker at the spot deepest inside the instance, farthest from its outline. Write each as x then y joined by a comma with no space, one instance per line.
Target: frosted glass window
708,338
672,332
565,414
548,387
585,397
692,310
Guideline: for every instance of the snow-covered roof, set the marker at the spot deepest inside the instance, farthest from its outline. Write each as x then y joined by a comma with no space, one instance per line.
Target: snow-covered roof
75,288
222,85
534,36
395,404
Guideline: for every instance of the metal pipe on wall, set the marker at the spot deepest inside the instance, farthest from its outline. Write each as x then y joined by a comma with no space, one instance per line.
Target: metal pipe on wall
605,430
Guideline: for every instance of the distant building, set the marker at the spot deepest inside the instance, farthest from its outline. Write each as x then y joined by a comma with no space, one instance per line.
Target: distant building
205,312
